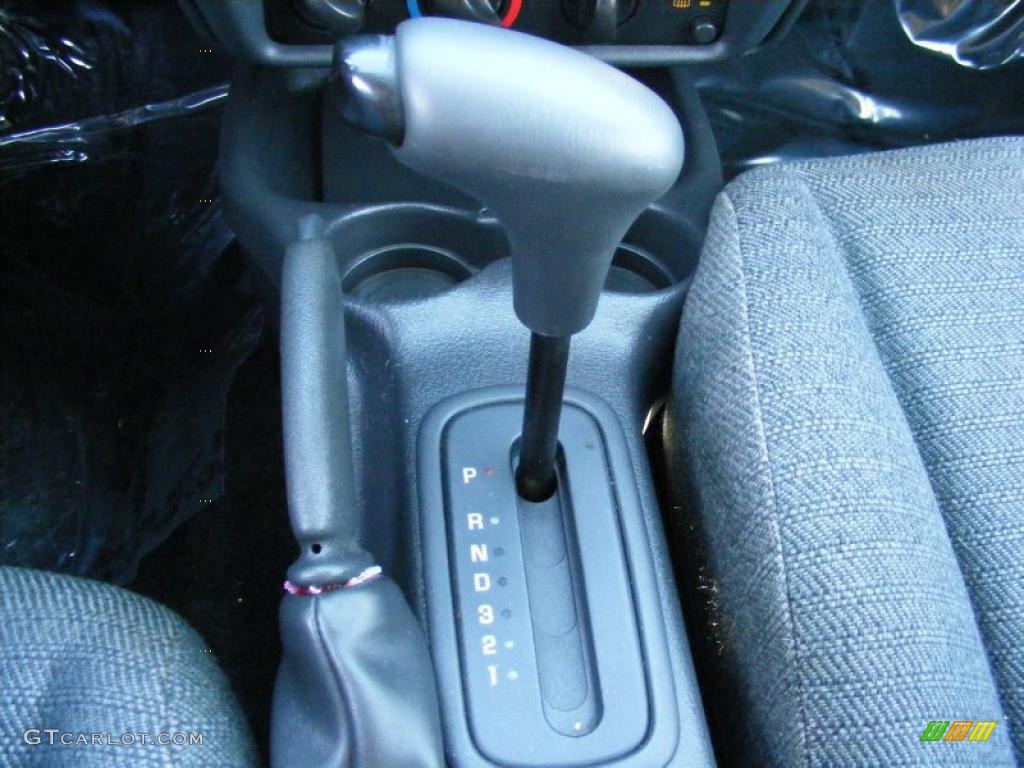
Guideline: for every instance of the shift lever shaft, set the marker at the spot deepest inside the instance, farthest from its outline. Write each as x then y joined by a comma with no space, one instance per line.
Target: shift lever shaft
545,385
563,149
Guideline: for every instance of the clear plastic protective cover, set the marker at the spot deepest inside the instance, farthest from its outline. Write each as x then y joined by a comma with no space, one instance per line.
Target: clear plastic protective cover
981,34
124,314
862,75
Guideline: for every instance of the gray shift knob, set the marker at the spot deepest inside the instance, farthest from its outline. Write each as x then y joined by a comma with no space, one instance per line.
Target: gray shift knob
565,150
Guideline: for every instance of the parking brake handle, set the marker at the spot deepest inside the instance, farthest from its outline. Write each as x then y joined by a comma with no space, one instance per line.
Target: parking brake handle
355,661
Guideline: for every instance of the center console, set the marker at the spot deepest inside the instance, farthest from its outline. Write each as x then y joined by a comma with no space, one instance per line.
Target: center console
541,594
499,481
565,646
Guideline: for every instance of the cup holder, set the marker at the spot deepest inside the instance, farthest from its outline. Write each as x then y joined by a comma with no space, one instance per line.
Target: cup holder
658,252
635,270
404,272
409,252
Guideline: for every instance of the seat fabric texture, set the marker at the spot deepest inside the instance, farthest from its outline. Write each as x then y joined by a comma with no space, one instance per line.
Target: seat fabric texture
847,424
88,658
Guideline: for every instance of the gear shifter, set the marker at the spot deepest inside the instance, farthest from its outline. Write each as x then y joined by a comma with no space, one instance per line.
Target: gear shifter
565,150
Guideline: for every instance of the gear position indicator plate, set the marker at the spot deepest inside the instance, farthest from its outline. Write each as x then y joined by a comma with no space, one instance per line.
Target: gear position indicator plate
552,668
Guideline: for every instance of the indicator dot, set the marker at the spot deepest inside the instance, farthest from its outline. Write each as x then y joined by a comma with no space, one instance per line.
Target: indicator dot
502,581
506,613
499,551
577,726
513,675
510,644
495,520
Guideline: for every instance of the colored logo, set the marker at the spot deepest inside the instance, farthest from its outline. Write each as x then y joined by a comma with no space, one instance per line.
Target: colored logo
958,730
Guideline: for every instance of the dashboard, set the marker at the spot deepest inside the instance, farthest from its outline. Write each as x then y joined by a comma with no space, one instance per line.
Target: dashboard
301,33
689,22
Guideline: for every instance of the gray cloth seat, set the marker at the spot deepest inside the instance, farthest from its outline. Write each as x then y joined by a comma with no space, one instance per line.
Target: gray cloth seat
88,658
848,418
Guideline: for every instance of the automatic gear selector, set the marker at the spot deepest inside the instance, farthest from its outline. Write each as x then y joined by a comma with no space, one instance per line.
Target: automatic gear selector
544,620
564,149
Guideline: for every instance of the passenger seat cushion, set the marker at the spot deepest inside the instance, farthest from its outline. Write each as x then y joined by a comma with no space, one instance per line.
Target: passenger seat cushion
849,402
86,657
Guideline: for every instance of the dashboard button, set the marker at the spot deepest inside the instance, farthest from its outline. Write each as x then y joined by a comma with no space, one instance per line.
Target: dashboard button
703,30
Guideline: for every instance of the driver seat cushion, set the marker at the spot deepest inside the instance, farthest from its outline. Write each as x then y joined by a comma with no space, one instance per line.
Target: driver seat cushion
848,421
86,657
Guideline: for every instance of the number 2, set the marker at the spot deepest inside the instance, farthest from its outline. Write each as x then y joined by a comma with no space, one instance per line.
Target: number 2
489,645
